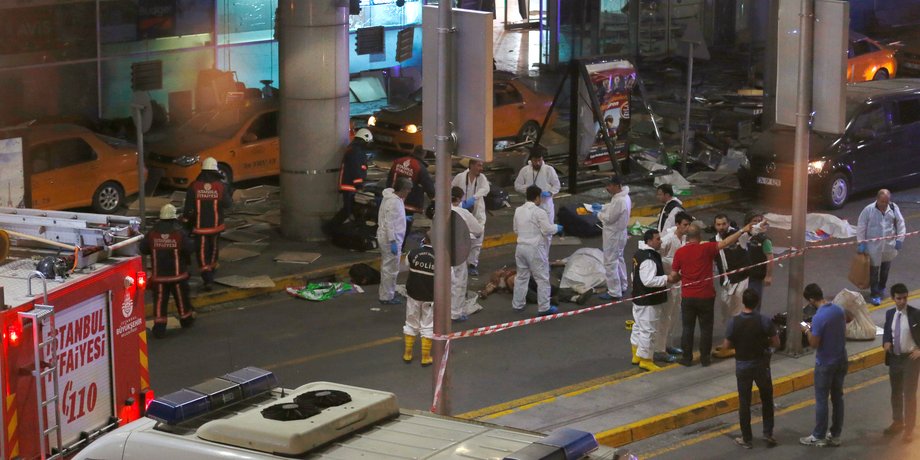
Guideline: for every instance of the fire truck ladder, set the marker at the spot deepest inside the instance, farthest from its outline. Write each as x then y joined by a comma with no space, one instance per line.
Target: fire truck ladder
42,319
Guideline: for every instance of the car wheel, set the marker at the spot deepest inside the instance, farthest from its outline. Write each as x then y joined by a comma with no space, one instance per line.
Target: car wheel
837,191
108,198
529,131
881,74
226,171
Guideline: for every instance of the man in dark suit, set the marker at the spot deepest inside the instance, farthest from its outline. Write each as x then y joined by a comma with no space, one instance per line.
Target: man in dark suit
902,334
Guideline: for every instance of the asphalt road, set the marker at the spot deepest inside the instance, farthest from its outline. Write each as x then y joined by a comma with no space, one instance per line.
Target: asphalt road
867,412
354,340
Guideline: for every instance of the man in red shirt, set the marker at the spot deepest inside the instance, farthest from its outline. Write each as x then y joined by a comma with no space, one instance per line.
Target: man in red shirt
692,266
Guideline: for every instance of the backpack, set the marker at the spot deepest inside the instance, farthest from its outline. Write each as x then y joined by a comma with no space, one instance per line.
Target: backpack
363,274
358,237
581,226
497,199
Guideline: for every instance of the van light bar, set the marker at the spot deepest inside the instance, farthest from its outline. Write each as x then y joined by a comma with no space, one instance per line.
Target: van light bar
564,443
211,395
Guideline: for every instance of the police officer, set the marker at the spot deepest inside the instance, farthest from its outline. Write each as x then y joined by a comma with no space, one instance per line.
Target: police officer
351,176
169,245
206,202
420,303
650,281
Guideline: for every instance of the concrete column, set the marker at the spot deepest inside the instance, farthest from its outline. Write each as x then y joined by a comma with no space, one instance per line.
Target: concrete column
313,59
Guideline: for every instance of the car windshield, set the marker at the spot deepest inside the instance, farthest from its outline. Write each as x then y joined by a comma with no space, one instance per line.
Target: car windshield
220,123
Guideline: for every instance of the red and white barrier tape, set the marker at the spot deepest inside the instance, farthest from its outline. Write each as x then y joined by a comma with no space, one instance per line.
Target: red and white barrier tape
495,328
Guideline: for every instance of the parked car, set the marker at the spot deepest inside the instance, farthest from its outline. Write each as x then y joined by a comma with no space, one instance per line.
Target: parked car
68,166
908,56
243,139
877,149
518,112
868,59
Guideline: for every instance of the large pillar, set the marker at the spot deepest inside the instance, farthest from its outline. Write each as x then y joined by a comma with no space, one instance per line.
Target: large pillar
313,59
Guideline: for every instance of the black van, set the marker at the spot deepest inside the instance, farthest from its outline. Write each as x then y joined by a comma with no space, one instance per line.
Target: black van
881,146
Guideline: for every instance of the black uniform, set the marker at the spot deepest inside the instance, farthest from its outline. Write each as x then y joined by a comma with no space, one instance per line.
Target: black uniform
206,202
737,257
420,285
351,179
169,245
660,295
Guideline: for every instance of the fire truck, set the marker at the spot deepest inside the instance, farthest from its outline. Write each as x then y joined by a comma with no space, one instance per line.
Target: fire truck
74,344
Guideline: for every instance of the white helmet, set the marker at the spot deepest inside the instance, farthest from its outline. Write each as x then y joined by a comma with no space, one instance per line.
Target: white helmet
365,134
209,164
168,211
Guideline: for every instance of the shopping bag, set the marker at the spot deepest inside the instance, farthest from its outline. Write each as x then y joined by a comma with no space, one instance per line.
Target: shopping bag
859,271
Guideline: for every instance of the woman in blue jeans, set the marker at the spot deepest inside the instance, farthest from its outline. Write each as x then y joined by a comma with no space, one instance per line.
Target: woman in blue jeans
827,335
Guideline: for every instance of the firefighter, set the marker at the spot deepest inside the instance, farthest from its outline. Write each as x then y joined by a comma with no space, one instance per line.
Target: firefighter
414,168
206,202
351,176
169,246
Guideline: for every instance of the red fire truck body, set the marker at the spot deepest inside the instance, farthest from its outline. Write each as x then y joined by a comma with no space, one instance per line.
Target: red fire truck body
92,344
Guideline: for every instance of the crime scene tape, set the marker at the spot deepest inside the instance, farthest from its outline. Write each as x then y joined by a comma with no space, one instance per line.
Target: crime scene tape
495,328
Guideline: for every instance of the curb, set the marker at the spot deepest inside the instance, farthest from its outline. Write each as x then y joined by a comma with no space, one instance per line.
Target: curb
720,405
208,300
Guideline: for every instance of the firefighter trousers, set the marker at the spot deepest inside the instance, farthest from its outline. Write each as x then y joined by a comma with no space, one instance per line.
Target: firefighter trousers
179,291
207,253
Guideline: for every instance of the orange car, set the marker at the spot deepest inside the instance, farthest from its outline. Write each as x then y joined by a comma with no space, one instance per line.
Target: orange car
868,59
518,112
243,139
70,166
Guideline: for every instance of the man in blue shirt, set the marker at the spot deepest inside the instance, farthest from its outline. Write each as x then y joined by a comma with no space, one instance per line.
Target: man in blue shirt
752,335
827,335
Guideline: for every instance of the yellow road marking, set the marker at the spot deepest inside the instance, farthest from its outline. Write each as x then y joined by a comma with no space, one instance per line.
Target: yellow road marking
340,351
754,420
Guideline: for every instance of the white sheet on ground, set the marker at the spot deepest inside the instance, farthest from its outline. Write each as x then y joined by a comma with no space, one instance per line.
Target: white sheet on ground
584,270
818,226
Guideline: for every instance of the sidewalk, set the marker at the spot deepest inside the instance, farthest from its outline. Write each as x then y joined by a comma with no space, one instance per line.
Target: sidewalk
334,262
643,405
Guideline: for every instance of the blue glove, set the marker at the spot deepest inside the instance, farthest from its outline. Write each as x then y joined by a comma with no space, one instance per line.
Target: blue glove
898,244
468,203
394,248
597,207
861,248
558,229
409,217
546,194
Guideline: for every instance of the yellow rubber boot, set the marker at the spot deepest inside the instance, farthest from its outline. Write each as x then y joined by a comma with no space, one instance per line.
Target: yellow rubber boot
410,343
648,364
426,352
635,357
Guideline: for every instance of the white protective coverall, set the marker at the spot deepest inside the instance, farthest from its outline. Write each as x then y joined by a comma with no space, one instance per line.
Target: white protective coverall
546,179
533,229
584,270
615,218
873,223
670,312
478,188
391,226
459,276
646,317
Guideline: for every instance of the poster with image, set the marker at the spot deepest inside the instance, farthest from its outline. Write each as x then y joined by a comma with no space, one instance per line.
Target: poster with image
612,83
12,178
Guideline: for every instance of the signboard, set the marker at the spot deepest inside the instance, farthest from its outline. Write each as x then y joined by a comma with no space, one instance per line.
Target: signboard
156,18
85,382
12,180
611,84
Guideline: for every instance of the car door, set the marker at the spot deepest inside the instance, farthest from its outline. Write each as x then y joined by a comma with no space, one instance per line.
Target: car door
508,110
69,174
868,141
905,134
861,65
260,147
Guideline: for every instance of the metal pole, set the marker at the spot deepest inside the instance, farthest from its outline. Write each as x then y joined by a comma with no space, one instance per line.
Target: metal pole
139,125
441,243
573,126
98,61
685,139
800,180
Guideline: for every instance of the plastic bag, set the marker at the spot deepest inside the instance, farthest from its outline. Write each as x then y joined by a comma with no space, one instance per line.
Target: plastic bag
318,292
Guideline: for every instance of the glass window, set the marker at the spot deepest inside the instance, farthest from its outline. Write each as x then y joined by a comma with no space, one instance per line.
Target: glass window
909,111
862,47
507,94
872,119
61,154
265,126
